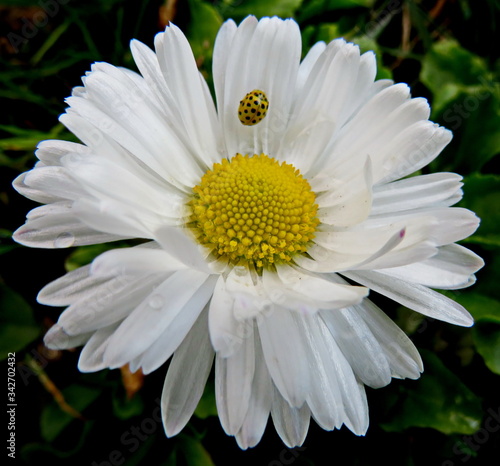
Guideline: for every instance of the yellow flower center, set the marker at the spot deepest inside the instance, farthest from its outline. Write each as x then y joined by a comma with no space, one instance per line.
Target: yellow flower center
253,209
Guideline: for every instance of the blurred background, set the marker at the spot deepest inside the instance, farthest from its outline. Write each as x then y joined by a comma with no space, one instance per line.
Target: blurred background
446,50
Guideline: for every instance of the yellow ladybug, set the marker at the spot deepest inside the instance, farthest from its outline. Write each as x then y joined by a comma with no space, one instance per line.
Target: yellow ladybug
253,108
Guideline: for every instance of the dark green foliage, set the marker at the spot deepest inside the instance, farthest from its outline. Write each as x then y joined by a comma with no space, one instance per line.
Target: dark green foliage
447,51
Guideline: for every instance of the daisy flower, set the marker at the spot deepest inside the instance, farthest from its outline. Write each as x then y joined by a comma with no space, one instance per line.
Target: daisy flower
264,220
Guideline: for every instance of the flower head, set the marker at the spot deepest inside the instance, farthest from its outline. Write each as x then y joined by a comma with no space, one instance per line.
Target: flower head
265,221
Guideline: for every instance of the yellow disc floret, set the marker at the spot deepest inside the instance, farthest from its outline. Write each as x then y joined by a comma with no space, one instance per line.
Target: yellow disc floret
254,209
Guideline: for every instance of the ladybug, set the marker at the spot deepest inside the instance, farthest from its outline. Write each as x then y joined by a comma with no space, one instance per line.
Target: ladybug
253,108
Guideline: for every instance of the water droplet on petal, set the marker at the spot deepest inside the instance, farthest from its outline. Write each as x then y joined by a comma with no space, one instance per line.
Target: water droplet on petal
64,240
156,301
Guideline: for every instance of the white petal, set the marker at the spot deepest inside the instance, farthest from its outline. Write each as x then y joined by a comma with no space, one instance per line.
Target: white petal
359,347
402,256
349,200
99,140
91,357
56,226
323,106
222,45
226,333
108,302
263,55
451,268
136,127
417,244
260,402
107,180
116,99
449,224
416,297
354,242
335,397
147,63
116,218
57,339
415,147
436,189
37,195
172,337
336,251
186,377
47,184
134,365
138,87
362,132
52,151
181,74
132,261
330,83
401,354
379,245
250,298
293,289
285,352
361,90
398,137
454,224
181,245
291,423
68,288
150,319
233,385
364,86
307,64
325,397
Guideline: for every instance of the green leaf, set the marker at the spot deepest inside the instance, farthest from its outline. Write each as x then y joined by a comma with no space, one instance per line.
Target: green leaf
238,9
205,23
487,339
54,420
368,44
171,460
342,4
482,195
125,408
138,457
206,406
18,327
34,453
4,248
26,139
447,69
438,400
487,283
420,21
474,116
326,32
466,99
194,452
50,42
482,308
84,255
4,233
319,7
